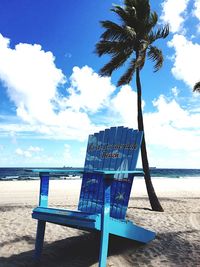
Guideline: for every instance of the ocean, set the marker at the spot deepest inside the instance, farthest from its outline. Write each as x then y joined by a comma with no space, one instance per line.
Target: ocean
9,174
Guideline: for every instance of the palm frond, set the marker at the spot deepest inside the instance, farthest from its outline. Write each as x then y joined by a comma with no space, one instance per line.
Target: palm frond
116,62
113,30
160,33
134,35
129,3
130,33
139,12
128,75
112,47
134,64
156,56
142,9
107,47
130,7
196,87
116,32
153,19
123,15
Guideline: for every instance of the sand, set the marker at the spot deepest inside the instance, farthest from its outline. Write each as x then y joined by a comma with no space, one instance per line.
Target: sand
178,228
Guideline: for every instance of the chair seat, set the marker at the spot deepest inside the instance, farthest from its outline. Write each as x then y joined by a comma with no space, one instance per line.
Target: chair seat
89,221
76,219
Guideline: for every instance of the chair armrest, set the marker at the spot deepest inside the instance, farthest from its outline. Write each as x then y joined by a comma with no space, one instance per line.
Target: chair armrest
56,171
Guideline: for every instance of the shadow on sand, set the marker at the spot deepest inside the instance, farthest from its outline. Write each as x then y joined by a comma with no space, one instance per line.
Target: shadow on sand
83,251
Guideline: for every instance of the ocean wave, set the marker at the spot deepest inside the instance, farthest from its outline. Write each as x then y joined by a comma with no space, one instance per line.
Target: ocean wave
9,174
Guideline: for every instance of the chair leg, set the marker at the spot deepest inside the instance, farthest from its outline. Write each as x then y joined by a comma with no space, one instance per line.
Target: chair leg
39,239
103,248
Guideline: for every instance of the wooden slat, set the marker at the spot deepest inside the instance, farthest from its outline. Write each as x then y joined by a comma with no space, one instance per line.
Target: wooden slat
109,150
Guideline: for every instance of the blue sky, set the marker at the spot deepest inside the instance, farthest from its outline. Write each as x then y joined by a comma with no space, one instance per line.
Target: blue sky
51,96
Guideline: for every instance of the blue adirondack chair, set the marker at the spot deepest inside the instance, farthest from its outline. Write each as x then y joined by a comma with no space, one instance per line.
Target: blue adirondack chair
108,174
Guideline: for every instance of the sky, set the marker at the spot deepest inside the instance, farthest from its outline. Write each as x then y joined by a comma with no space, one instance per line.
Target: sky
52,98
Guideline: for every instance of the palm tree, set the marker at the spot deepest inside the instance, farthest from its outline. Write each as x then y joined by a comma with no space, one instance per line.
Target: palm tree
131,42
196,87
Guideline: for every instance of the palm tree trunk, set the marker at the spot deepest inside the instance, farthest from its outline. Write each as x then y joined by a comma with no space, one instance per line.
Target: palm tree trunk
155,204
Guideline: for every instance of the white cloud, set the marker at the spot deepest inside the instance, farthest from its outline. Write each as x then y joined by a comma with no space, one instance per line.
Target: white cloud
23,153
31,78
172,135
32,82
186,59
175,91
174,13
88,90
73,156
196,11
172,127
35,149
172,132
29,152
124,106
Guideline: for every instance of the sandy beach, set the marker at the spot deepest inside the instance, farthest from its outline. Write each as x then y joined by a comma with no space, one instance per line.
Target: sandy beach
178,228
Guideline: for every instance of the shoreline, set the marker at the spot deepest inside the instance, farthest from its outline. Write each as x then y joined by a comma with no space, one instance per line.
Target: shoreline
27,191
177,242
36,178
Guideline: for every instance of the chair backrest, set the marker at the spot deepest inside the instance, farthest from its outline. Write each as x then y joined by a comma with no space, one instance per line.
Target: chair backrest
115,148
